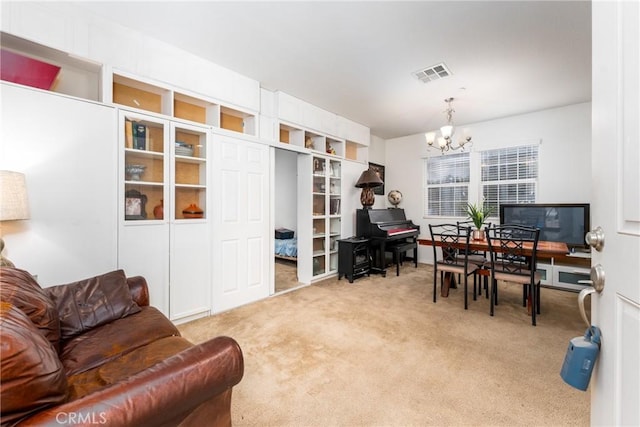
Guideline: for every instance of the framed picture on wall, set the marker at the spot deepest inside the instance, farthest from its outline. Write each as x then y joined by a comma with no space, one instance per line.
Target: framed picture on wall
379,170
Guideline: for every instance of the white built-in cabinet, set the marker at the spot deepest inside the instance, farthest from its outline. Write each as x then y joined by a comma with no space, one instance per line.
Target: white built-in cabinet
319,216
165,231
219,166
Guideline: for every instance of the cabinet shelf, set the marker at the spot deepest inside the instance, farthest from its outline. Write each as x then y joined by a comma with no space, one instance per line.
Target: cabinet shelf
189,159
148,96
195,186
144,183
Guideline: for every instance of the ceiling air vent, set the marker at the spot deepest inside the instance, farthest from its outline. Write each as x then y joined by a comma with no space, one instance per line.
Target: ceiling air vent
435,72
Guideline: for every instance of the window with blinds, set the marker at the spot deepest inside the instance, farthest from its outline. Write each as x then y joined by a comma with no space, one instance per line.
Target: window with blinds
446,186
509,175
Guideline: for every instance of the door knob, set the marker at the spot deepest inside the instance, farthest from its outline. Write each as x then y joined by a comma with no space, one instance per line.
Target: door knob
596,278
595,238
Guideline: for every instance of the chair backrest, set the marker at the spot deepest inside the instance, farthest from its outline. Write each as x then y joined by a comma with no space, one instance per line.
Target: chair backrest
513,248
450,238
470,223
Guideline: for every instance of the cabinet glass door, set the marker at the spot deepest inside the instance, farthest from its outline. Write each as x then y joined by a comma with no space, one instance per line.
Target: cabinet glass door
334,218
319,192
189,172
144,170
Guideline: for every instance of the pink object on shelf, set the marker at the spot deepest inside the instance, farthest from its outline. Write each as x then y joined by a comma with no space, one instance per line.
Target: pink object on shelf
27,71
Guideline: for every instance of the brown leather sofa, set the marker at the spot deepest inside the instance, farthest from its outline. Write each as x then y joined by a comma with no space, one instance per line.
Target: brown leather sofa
94,352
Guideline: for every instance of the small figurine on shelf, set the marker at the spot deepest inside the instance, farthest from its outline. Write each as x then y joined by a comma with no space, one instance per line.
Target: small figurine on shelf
330,149
308,142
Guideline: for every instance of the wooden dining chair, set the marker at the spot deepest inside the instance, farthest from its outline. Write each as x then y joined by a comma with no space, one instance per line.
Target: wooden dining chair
512,250
451,239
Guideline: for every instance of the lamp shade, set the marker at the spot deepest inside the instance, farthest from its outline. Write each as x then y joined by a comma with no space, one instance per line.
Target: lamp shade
14,204
369,179
447,131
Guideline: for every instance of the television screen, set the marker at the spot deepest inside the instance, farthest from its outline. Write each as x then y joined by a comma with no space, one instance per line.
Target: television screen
564,222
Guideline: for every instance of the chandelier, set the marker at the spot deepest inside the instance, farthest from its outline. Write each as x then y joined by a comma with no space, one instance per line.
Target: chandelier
445,142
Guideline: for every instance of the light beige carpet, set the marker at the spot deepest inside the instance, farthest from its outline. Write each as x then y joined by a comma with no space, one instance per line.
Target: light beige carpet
286,275
379,352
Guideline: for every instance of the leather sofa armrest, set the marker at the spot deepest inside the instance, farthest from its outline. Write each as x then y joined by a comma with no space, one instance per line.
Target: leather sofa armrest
161,395
139,290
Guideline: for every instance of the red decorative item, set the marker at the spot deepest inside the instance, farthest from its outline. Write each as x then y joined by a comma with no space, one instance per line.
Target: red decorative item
158,211
27,71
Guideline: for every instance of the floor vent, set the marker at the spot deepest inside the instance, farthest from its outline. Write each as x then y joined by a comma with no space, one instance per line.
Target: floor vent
435,72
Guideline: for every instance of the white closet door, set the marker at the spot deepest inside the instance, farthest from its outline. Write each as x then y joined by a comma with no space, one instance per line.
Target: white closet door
242,232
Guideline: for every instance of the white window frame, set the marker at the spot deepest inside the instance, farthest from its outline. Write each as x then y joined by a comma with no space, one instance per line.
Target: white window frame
459,183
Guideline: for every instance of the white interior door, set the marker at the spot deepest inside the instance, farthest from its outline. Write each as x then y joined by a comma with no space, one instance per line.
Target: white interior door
615,386
242,255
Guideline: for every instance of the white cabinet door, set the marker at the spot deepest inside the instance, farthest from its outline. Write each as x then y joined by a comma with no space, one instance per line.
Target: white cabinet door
143,241
170,247
190,273
190,241
242,233
143,250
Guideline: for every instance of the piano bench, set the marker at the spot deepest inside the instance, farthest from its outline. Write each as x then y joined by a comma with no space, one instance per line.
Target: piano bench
399,250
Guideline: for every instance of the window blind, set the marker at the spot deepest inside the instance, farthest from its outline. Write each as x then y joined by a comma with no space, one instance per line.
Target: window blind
509,175
446,186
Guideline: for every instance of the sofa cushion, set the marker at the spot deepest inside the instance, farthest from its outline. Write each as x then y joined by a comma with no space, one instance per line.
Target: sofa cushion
92,302
19,288
100,345
121,368
32,375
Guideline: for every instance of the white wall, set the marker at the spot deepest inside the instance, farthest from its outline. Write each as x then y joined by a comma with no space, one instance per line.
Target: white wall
377,154
351,171
564,155
285,191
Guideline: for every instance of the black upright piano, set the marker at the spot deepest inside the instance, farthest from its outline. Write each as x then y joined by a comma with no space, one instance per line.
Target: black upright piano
384,227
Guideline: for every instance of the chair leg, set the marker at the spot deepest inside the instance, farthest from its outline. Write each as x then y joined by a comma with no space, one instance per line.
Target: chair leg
533,292
466,296
435,282
475,286
494,295
486,286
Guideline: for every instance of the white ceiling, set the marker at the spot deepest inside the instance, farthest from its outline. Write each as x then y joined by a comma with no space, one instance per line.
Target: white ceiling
356,59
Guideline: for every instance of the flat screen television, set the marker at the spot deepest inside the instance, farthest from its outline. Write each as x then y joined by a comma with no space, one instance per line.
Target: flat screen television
561,222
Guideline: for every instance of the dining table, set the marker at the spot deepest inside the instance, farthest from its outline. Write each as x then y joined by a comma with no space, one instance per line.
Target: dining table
545,249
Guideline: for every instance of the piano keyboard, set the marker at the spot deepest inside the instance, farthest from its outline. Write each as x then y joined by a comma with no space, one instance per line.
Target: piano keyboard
396,231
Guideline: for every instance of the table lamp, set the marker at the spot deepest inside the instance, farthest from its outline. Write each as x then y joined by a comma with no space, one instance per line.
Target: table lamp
368,181
13,203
